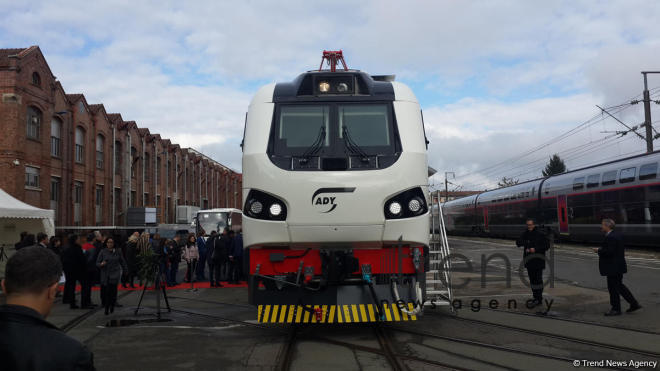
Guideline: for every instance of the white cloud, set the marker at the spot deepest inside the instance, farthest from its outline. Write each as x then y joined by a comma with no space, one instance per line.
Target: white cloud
517,72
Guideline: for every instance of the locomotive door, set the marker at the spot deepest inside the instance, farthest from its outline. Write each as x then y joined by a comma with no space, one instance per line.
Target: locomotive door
562,214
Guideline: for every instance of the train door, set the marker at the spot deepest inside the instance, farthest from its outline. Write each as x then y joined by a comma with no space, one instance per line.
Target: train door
485,219
562,214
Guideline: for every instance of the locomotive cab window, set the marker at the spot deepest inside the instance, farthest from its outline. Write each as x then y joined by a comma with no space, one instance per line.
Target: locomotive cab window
648,171
627,175
334,136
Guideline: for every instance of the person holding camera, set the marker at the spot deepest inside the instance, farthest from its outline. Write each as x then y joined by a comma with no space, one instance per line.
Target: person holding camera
535,244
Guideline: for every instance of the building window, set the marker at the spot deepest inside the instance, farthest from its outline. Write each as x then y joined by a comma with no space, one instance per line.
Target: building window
31,177
98,204
80,145
77,202
118,157
55,136
158,169
33,122
147,160
118,206
145,199
36,79
133,161
133,197
55,194
100,143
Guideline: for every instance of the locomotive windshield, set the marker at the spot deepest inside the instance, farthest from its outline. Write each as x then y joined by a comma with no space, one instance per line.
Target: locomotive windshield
333,136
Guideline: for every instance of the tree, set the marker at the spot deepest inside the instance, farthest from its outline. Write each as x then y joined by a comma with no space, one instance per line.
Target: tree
505,182
555,166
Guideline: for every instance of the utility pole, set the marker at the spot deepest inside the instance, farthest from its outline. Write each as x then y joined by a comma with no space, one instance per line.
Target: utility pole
447,182
647,113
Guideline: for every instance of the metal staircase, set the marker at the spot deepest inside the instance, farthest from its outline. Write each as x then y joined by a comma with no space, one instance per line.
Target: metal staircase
438,277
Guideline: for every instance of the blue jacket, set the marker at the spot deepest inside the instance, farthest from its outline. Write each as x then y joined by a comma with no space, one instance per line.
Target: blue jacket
237,246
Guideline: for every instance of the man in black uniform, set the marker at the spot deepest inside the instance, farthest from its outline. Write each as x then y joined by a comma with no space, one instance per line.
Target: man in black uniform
612,263
535,244
27,341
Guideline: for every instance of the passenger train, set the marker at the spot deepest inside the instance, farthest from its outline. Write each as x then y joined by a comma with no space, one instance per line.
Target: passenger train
336,197
570,205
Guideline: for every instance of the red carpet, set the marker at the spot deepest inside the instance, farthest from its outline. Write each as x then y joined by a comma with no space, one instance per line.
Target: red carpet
197,285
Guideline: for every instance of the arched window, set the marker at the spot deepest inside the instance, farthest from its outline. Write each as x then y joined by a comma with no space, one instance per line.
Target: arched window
134,158
100,144
36,79
147,159
118,157
33,122
55,137
80,145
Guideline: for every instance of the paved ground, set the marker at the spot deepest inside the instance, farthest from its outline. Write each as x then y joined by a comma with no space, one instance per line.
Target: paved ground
213,329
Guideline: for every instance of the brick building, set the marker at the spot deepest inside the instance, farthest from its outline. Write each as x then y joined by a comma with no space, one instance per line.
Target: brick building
59,152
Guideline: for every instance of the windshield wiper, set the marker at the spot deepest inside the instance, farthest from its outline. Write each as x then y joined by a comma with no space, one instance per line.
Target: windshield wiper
354,147
315,147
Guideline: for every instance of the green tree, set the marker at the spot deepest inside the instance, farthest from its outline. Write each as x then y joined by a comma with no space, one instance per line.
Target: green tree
505,182
555,166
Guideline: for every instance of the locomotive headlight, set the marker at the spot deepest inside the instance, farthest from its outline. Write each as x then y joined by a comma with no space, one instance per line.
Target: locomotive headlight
256,207
407,204
342,87
324,86
395,208
415,205
275,209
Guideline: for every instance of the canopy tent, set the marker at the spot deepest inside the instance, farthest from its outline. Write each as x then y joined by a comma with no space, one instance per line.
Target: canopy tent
17,216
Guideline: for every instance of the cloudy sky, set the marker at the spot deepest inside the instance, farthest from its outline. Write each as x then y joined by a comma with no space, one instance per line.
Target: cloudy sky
499,81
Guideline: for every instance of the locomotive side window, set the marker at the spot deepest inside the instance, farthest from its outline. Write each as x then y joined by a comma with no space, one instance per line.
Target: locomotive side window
593,180
367,125
609,178
648,171
578,183
627,175
300,126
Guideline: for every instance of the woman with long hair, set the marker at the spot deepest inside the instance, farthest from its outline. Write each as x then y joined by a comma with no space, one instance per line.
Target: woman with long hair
191,256
110,261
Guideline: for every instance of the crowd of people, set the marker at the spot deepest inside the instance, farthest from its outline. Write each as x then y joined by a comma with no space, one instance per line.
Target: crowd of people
103,259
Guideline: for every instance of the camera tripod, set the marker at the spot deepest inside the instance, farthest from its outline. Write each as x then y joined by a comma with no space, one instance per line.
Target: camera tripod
158,288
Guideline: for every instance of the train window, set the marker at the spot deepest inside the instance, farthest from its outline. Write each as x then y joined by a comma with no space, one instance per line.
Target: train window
609,178
648,171
578,183
593,180
300,126
366,124
627,175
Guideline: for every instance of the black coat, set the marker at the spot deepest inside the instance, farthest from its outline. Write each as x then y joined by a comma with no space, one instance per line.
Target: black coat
611,255
539,242
28,342
73,260
220,249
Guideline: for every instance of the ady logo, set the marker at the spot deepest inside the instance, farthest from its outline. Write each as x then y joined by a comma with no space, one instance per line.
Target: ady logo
326,204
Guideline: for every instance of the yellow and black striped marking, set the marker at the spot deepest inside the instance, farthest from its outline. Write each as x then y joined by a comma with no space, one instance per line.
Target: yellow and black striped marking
350,313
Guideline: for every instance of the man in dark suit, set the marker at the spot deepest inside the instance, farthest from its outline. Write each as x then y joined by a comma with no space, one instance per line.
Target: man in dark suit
27,341
612,264
535,244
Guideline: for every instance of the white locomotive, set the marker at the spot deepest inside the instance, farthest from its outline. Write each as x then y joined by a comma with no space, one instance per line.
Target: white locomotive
336,199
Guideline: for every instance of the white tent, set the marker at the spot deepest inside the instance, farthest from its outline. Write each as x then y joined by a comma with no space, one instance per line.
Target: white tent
17,216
